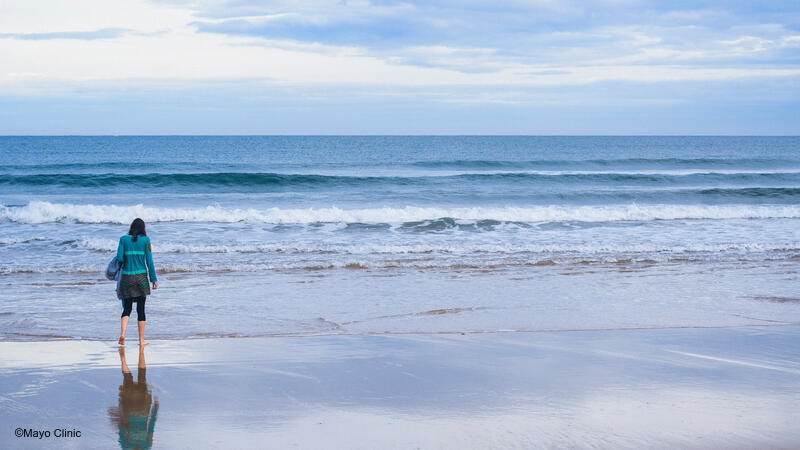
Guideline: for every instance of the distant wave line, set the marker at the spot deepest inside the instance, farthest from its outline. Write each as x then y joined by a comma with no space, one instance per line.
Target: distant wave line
603,162
281,180
457,163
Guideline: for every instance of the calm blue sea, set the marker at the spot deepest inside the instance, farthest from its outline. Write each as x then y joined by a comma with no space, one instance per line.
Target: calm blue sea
296,235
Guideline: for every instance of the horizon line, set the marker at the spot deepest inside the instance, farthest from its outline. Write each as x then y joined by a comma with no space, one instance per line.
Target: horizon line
391,135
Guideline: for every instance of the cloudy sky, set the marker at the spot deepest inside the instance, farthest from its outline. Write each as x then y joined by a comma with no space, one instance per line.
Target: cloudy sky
399,67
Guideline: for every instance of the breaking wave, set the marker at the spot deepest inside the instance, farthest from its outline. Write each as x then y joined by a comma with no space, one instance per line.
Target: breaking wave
43,212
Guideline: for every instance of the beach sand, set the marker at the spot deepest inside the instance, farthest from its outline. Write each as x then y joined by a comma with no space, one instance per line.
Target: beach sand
714,387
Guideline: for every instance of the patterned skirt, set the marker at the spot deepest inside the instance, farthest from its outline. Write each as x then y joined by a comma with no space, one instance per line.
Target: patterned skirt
135,285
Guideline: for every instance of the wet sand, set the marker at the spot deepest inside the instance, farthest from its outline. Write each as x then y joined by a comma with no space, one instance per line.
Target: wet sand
703,388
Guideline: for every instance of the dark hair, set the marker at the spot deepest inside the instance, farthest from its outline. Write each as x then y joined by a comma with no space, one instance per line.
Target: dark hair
137,229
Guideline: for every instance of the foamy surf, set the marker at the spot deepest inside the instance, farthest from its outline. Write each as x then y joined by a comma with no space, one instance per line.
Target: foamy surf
43,212
465,248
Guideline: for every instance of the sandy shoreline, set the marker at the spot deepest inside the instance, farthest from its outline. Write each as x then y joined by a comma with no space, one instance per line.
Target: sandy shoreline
729,387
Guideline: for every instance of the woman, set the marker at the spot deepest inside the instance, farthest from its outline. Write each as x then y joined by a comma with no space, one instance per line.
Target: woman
136,256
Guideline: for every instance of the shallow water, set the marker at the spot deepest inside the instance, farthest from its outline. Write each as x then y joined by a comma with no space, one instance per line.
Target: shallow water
687,388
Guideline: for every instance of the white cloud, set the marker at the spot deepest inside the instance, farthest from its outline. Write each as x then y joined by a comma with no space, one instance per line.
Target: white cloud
46,16
164,46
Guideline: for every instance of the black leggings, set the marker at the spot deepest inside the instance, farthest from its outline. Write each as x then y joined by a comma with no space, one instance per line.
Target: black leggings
139,307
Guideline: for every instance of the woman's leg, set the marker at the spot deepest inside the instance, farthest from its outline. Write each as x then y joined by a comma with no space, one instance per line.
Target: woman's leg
126,316
140,316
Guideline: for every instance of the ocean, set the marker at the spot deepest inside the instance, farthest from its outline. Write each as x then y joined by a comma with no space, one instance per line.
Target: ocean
308,235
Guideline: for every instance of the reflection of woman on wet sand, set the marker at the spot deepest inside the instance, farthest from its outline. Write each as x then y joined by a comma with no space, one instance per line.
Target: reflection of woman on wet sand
136,414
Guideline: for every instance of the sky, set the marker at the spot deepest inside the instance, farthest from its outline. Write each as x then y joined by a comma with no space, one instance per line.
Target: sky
399,67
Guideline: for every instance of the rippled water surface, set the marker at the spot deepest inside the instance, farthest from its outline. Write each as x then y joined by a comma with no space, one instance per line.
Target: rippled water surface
298,235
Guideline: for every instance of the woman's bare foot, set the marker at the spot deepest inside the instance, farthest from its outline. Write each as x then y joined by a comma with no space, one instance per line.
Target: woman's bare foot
143,343
122,340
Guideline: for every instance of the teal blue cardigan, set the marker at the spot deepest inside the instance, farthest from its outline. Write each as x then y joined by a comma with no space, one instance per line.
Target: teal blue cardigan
139,255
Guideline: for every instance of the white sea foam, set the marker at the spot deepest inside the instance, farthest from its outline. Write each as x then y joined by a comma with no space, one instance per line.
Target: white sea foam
357,248
357,262
42,212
